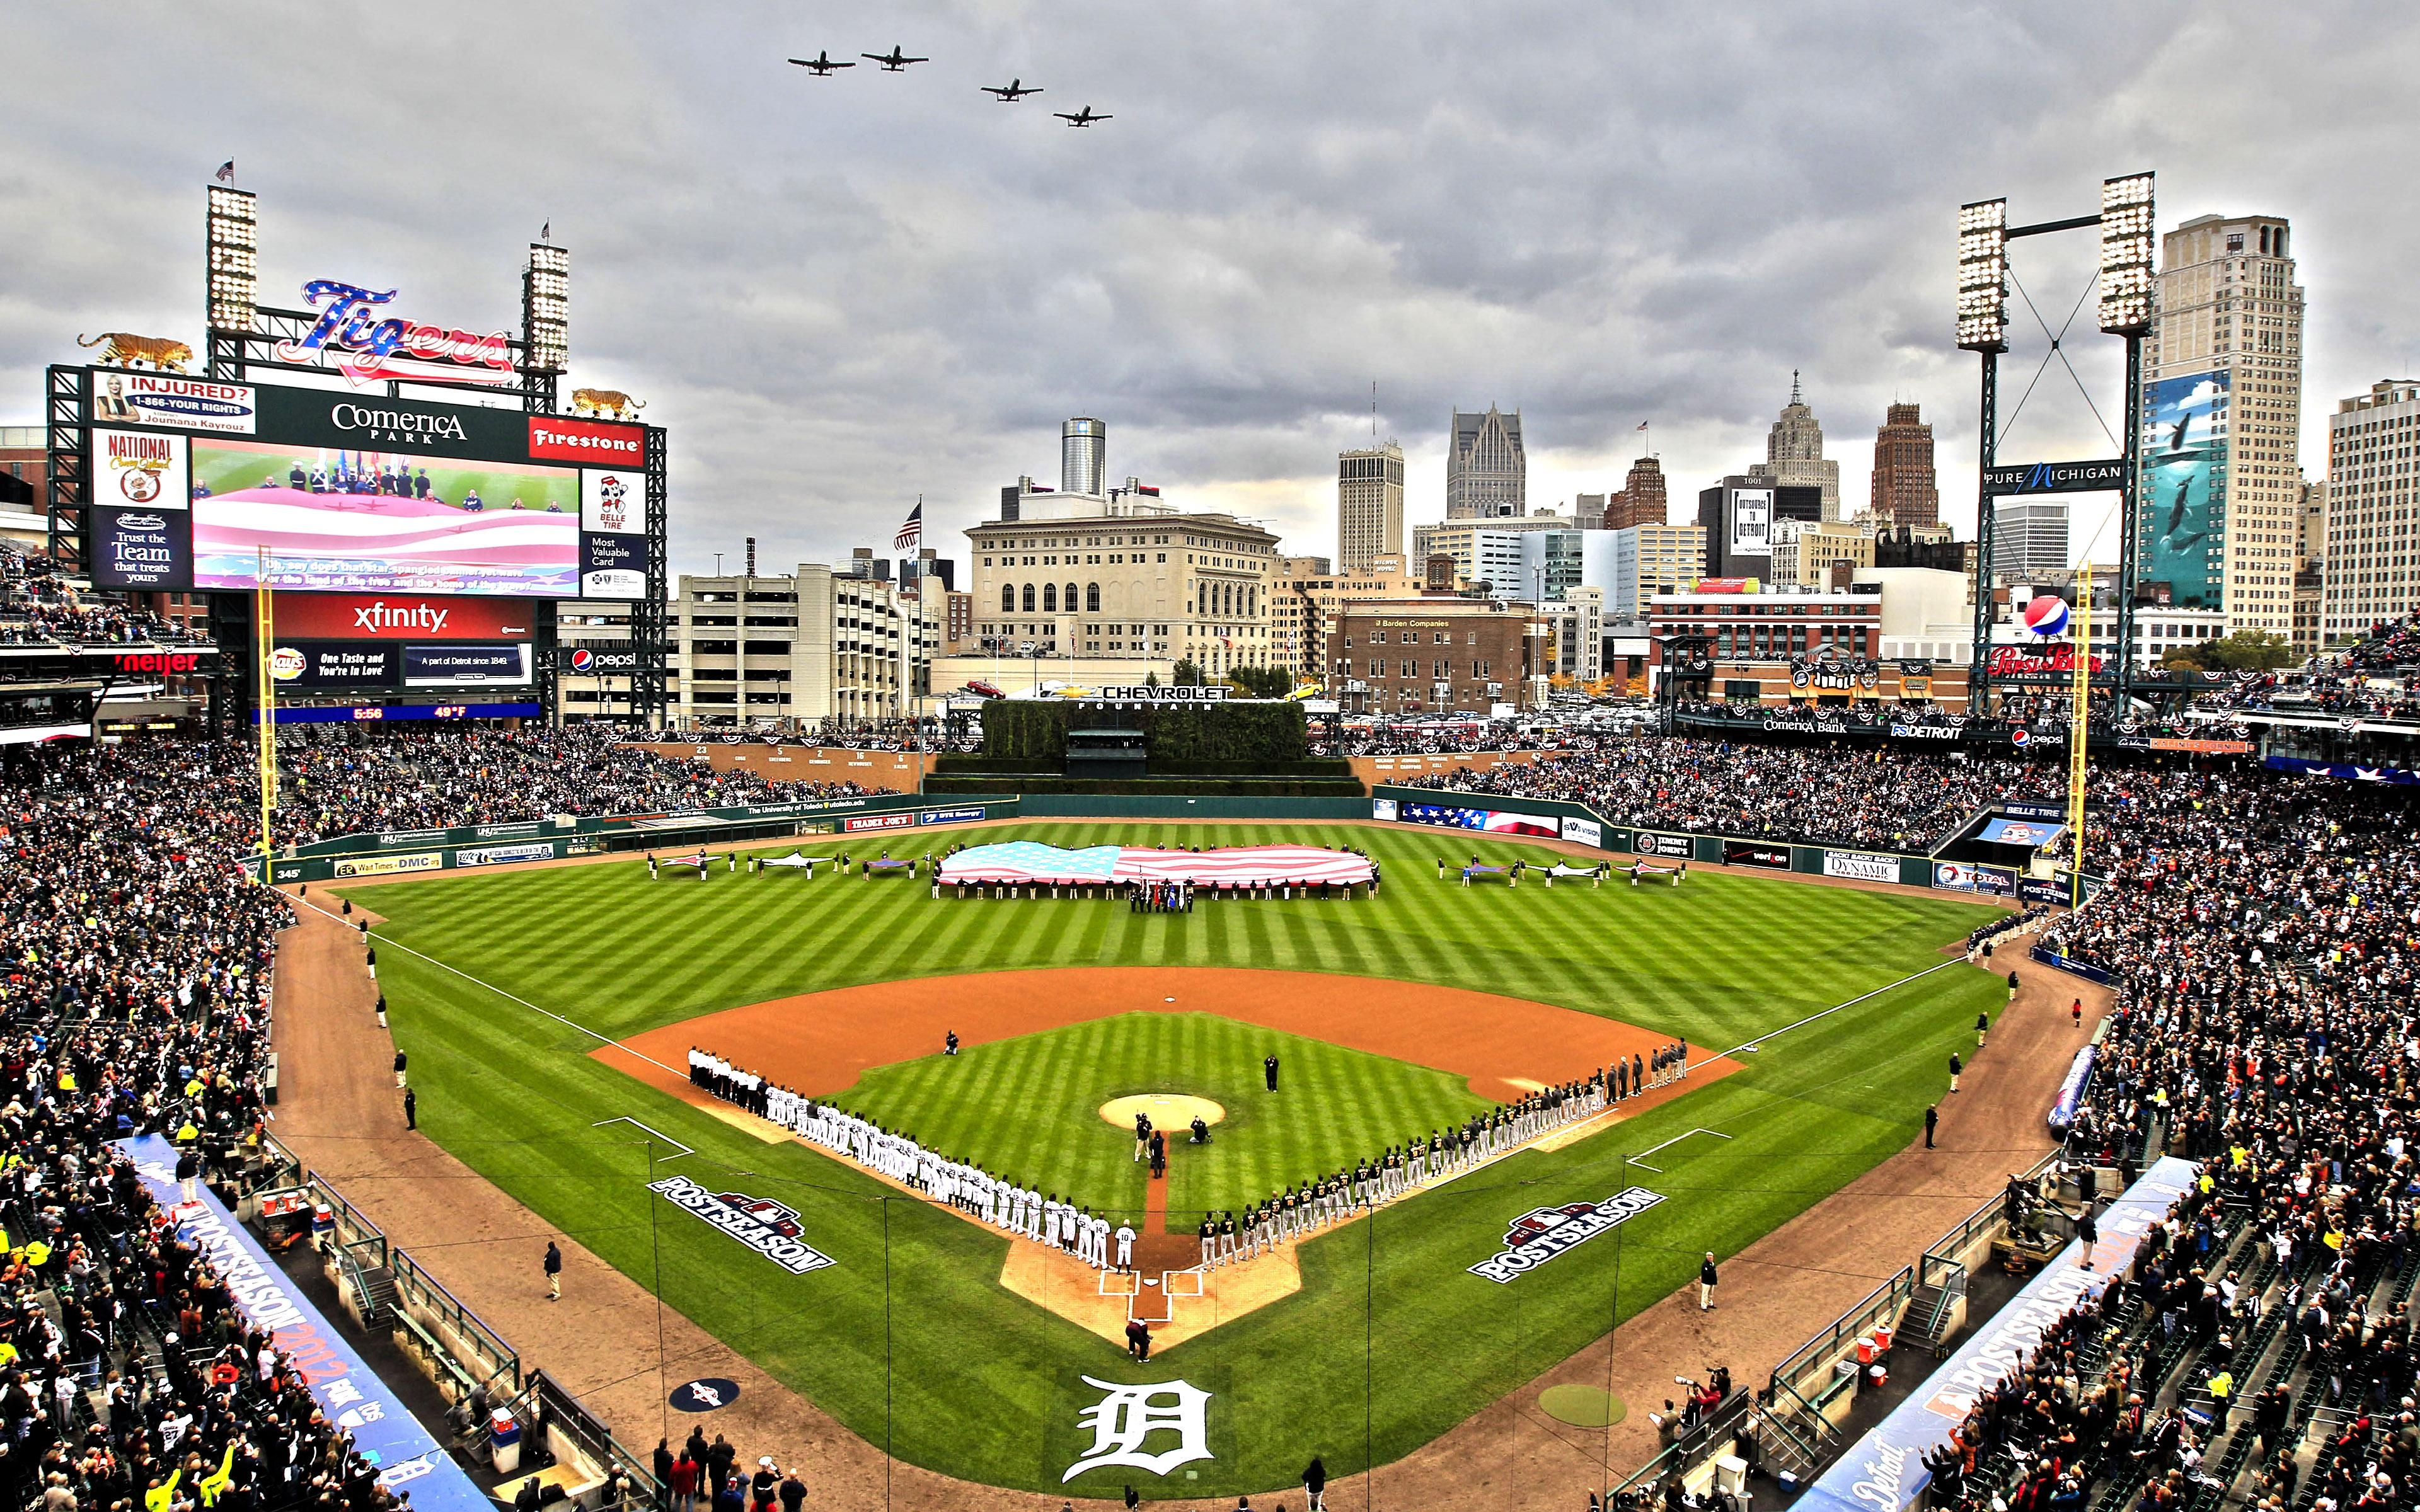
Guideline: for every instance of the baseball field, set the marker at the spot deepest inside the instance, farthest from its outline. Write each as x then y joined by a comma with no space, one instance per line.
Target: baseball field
542,1008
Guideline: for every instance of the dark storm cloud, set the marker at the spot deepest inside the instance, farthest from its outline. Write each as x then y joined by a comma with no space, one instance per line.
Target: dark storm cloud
842,293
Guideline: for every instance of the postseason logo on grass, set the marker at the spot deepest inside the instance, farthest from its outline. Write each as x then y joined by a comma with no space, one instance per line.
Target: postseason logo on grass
760,1223
1542,1233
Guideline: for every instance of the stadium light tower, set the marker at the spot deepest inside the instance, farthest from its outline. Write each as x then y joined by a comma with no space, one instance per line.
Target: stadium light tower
232,234
2124,276
546,323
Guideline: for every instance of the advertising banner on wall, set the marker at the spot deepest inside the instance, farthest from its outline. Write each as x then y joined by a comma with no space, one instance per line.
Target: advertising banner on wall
612,566
1583,832
385,865
2184,485
306,666
1651,845
615,503
465,666
148,549
1955,875
1751,522
403,616
173,400
140,469
1743,853
1863,865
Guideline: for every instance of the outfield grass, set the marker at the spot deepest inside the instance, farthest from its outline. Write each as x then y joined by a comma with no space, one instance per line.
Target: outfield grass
964,1378
1338,1106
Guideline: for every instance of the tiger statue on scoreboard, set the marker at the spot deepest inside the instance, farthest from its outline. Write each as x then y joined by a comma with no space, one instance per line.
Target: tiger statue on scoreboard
127,350
611,403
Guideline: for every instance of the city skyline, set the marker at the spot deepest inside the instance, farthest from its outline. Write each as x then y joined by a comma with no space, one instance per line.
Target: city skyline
837,308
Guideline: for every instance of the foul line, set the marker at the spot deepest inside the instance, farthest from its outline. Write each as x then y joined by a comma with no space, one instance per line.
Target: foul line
1758,1043
393,944
658,1133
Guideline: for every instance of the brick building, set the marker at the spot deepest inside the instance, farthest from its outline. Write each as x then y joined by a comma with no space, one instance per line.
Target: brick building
1426,655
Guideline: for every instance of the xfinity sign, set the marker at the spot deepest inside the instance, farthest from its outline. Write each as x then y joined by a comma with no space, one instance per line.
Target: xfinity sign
2056,477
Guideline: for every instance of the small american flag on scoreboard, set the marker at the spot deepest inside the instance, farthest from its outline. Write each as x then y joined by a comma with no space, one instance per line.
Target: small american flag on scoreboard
912,534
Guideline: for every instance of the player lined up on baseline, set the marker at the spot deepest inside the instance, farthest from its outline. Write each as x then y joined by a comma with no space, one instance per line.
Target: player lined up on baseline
1309,1206
1292,1214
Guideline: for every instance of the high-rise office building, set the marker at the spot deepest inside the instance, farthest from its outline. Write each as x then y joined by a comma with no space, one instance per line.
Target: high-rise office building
1906,490
2373,574
1369,505
1083,457
1641,499
2313,543
1793,452
2222,413
2029,538
1486,471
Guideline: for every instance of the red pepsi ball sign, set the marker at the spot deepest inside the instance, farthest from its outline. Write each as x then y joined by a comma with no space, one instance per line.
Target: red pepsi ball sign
2044,614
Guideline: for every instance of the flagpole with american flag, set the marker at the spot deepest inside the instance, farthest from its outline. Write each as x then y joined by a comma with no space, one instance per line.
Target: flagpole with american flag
911,534
227,172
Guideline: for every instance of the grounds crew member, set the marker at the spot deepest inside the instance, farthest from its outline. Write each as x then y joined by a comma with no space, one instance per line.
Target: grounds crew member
553,1271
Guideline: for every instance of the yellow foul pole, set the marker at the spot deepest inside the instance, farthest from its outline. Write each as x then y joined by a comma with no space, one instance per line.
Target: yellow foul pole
2078,721
264,647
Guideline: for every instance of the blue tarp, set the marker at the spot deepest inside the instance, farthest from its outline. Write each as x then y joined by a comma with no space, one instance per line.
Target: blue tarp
1885,1470
2034,832
408,1457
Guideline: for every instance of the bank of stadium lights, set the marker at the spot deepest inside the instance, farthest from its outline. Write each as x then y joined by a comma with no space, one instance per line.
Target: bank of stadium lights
2126,254
234,234
1983,276
546,302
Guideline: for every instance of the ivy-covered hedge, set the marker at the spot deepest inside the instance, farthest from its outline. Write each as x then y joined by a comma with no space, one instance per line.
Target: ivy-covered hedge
1237,737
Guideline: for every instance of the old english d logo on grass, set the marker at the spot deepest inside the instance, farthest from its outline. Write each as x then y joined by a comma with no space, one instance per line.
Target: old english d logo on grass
1542,1233
762,1223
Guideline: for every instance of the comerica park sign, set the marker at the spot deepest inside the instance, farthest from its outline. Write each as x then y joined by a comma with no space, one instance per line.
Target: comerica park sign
2103,476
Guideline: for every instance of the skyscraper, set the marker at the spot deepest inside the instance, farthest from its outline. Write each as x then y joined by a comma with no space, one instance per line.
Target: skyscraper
1369,505
2222,413
1486,471
2030,539
1906,491
1793,452
2371,537
1083,457
1641,499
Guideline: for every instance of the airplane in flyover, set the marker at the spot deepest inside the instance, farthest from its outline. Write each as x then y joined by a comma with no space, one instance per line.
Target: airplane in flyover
894,61
1083,118
821,63
1010,92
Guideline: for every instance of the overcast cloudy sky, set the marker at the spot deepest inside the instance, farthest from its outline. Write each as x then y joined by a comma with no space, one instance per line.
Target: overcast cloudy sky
841,293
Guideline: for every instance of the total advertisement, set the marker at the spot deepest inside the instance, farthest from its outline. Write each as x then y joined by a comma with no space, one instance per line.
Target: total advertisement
2185,486
357,492
612,566
465,666
1861,866
140,469
173,400
1749,853
403,616
1751,523
407,1458
382,866
307,666
148,549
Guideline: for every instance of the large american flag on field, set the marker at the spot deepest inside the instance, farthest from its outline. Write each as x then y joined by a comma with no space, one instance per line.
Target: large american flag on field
1025,860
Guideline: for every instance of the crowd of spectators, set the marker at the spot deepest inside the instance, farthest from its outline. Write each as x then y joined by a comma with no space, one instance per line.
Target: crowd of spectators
354,780
1820,794
134,964
39,608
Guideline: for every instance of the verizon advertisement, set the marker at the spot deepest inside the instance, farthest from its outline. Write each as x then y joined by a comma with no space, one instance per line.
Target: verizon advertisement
402,617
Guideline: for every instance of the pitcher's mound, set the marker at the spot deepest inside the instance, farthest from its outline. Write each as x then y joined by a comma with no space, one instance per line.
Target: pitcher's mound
1165,1110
